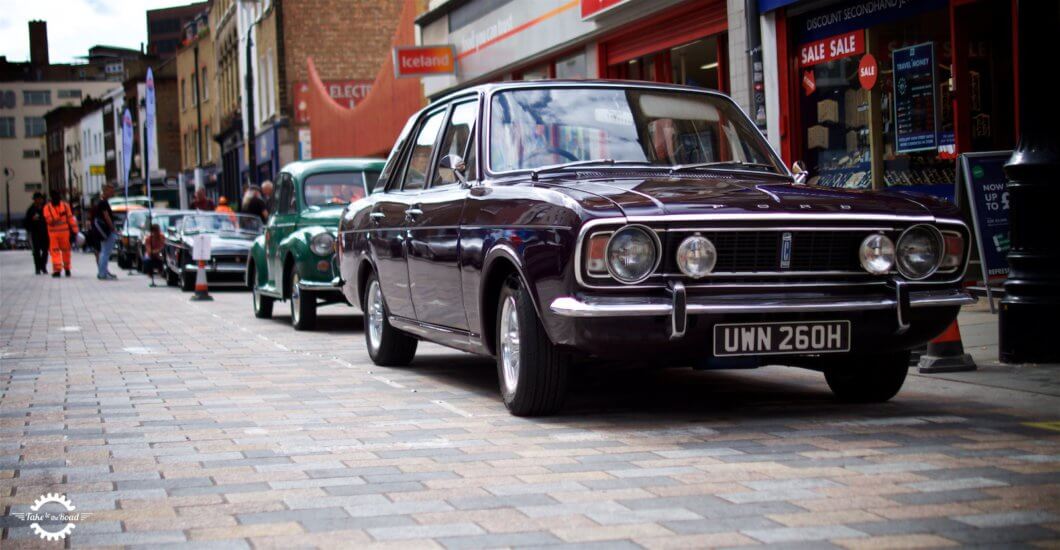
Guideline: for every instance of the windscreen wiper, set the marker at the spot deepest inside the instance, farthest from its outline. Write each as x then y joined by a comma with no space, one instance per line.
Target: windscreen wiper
718,164
590,162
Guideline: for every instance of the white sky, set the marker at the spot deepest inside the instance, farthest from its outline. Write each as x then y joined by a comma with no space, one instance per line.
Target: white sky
76,25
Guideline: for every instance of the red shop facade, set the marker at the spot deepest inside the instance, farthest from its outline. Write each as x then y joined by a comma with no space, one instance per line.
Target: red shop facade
884,94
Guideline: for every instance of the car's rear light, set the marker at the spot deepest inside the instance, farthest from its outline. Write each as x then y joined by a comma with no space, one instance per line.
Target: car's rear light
596,254
954,251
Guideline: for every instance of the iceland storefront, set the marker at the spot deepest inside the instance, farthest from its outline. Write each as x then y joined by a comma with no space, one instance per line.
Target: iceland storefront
884,94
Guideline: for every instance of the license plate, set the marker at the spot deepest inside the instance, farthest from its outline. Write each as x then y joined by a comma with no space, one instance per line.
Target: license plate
781,338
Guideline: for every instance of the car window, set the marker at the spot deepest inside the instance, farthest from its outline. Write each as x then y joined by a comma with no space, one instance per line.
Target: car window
292,195
284,201
420,156
371,178
454,142
332,188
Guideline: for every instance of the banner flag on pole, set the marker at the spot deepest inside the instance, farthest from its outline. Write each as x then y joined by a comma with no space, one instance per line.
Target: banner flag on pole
126,146
149,125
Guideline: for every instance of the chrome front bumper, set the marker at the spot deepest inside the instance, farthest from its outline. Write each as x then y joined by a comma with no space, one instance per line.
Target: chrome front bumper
334,285
678,306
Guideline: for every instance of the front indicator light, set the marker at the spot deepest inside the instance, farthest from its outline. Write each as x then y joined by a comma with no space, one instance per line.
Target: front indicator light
596,255
877,254
954,245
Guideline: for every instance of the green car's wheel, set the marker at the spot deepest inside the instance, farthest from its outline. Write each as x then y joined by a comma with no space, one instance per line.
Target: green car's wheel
262,303
303,306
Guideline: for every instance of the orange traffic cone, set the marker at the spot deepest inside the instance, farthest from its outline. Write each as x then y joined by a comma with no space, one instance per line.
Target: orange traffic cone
202,293
946,353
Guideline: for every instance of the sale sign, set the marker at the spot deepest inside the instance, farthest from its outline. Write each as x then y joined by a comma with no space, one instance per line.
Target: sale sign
809,82
832,48
868,71
424,61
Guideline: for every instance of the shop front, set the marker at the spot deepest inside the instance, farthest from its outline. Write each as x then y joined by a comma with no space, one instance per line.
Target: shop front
666,41
267,157
884,94
233,163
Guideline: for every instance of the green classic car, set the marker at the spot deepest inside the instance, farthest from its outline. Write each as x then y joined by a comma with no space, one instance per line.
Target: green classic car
294,260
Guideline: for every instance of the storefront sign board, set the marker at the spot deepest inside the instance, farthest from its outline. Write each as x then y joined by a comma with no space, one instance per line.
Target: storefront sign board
983,187
915,111
421,61
593,8
856,15
832,48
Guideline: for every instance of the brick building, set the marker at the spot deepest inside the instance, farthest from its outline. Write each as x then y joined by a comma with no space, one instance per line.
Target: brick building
196,67
165,28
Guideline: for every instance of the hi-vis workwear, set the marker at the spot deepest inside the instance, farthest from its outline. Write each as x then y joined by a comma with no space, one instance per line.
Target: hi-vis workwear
61,224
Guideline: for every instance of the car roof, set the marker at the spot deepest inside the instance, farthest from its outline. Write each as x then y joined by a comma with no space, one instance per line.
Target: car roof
561,83
302,168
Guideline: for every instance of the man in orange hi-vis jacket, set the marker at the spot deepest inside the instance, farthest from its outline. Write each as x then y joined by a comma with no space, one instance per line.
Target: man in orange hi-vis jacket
61,225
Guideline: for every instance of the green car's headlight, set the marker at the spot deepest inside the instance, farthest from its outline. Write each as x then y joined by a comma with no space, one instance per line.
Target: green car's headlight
323,244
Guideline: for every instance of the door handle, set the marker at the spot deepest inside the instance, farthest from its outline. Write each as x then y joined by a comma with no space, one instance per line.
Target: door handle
377,215
413,212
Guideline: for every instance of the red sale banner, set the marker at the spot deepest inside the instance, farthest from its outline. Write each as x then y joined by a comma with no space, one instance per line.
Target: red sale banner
832,48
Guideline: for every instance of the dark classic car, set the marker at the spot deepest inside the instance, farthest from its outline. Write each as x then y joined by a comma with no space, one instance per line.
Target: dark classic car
294,259
231,236
546,222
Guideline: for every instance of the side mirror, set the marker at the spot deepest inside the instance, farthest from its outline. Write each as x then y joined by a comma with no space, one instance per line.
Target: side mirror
456,164
799,172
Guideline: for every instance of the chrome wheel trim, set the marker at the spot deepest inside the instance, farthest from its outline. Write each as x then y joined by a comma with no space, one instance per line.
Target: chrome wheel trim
375,312
296,300
510,344
257,298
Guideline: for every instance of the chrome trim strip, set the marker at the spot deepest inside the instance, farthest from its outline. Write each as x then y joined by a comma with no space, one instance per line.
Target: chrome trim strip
316,286
568,306
834,216
777,228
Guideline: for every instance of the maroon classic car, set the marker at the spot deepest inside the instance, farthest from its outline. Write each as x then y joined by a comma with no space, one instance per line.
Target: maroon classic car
547,222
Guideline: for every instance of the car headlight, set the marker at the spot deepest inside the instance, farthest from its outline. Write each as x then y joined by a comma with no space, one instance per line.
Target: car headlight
696,256
919,251
323,244
877,254
632,254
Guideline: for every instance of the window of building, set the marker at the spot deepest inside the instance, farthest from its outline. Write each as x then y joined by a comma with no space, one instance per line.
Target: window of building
31,153
183,95
69,94
194,89
33,187
205,85
7,126
206,140
35,126
573,66
37,97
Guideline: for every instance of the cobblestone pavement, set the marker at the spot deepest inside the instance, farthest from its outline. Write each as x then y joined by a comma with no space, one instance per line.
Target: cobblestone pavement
195,424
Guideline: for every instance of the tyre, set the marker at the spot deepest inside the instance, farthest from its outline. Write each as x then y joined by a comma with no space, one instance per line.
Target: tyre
123,261
303,306
171,278
872,379
387,346
531,369
262,303
187,281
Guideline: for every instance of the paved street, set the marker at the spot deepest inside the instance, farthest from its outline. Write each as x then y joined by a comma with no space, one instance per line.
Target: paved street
172,421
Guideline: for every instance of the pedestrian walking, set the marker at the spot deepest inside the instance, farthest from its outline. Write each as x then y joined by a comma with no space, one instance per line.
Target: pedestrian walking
62,225
201,202
266,196
37,228
154,244
103,221
254,205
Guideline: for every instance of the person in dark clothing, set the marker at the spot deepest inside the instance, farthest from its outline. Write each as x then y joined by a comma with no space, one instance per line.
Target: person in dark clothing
38,233
201,202
254,205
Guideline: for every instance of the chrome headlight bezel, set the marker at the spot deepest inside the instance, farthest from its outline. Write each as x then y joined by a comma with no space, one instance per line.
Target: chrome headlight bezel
655,246
686,245
885,249
901,259
322,244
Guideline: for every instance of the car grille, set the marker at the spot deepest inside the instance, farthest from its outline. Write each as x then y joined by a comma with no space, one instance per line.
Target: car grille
755,251
229,258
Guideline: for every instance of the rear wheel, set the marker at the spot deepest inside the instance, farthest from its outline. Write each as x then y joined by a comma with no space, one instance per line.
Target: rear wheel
868,379
387,345
303,306
124,262
171,278
532,370
187,281
262,303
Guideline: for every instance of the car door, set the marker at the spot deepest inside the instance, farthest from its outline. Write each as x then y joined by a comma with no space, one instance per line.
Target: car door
281,224
392,211
434,228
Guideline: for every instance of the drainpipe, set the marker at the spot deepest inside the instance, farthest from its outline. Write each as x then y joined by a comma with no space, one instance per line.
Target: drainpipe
754,51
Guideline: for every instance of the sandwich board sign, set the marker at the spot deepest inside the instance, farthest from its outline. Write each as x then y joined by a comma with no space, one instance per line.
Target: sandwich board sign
981,181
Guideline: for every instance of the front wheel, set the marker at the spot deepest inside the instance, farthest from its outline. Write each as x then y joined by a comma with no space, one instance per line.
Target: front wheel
387,346
171,278
872,379
262,303
123,261
303,306
532,370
